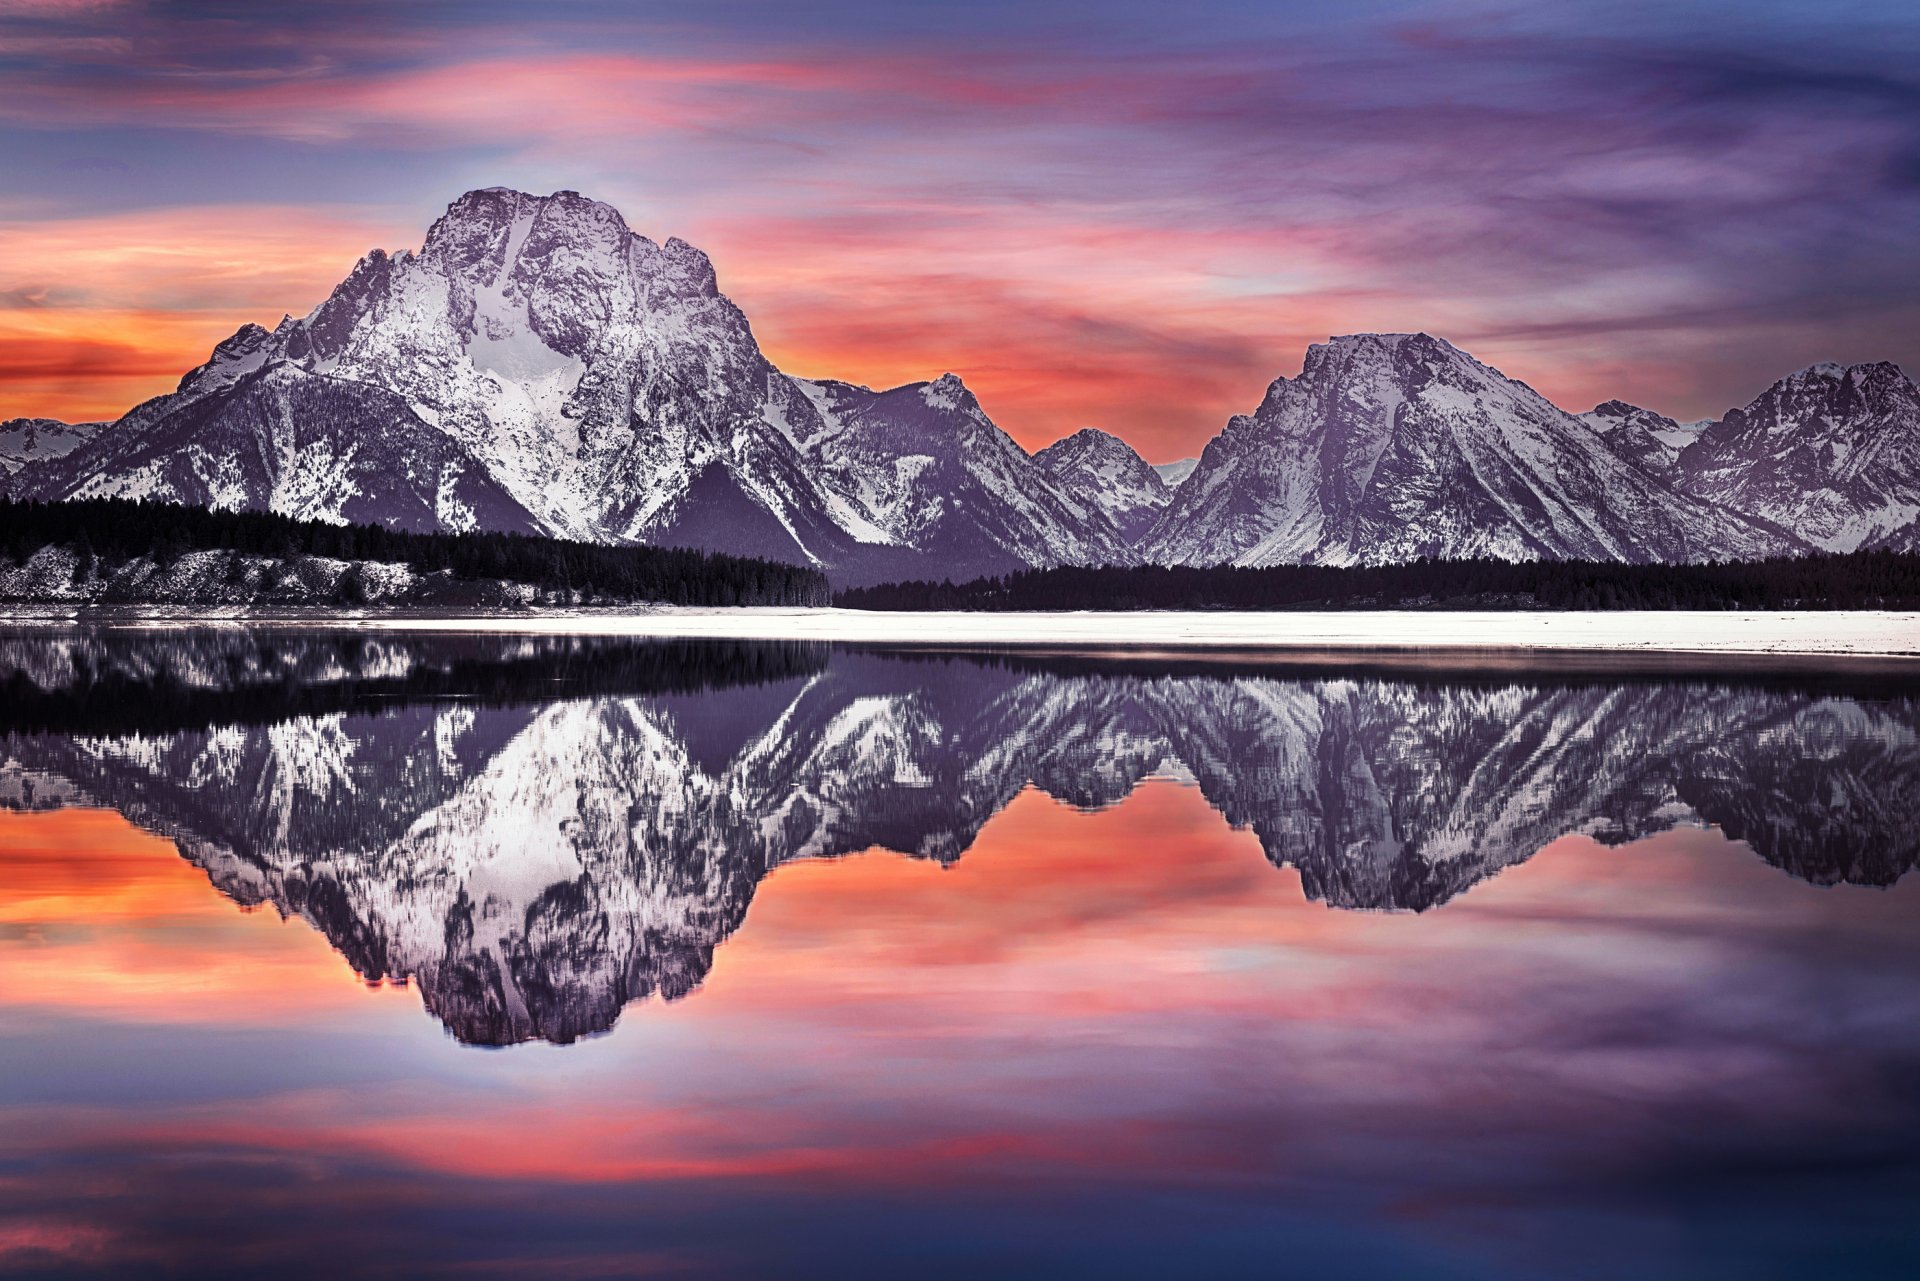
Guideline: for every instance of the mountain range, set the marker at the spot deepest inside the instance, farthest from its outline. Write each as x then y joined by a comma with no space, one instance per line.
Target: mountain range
537,366
588,832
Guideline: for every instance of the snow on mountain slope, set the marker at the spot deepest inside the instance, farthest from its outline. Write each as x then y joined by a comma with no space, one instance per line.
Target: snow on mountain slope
1173,473
1104,474
598,375
282,439
951,494
35,440
536,366
1648,440
1389,447
1831,452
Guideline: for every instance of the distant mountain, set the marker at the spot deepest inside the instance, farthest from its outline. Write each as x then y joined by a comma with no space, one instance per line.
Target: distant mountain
35,440
923,467
1831,452
539,367
1389,447
1103,474
1644,438
1176,471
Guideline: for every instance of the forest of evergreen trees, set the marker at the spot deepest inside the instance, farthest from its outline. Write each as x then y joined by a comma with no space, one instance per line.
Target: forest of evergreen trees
1858,580
114,530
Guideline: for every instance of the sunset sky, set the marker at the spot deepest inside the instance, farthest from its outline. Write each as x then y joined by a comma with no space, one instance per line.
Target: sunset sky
1066,1036
1125,214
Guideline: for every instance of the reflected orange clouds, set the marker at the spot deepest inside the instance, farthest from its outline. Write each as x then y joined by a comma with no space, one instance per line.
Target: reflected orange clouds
880,1020
97,916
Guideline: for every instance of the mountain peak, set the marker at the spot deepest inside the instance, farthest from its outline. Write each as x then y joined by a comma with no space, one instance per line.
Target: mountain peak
484,233
1344,353
1831,381
1102,472
1831,452
1089,438
947,392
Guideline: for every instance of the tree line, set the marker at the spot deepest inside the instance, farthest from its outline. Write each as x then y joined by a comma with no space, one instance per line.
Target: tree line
1855,580
110,531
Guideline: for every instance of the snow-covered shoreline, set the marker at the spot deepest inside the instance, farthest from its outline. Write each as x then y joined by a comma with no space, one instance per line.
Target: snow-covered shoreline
1710,632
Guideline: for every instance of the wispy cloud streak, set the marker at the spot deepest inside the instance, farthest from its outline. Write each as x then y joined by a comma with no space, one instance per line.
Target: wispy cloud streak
1125,223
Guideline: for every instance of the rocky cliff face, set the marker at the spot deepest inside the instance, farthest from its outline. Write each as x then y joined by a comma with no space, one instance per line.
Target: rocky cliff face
1104,475
927,474
1831,452
536,866
1650,441
1389,447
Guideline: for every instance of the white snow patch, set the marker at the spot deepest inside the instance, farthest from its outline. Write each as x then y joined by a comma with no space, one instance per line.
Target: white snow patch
1677,631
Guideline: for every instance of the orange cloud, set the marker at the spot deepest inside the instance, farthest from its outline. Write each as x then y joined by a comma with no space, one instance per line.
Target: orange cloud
100,313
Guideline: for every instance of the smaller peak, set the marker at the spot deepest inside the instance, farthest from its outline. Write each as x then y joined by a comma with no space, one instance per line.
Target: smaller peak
1821,369
946,392
1087,442
1614,409
679,251
1176,471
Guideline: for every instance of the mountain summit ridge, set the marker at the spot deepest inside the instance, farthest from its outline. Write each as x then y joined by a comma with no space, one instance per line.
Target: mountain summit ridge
539,366
556,372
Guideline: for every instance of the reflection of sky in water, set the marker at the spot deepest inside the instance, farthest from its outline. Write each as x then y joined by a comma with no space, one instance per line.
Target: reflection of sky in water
1117,1043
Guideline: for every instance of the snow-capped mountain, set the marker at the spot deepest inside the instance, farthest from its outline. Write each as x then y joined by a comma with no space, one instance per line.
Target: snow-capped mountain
537,365
244,433
536,862
1173,473
1831,452
35,440
1644,438
1389,447
923,467
1104,474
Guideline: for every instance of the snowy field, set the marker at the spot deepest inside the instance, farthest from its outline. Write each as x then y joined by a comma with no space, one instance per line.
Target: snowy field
1725,632
1710,632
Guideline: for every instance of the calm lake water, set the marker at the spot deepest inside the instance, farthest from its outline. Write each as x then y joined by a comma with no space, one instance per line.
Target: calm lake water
334,955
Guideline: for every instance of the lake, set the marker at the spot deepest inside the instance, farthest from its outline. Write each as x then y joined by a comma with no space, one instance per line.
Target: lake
328,953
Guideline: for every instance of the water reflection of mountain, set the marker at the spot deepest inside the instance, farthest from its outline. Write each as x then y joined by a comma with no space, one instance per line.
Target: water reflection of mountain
584,829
